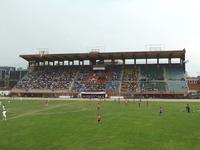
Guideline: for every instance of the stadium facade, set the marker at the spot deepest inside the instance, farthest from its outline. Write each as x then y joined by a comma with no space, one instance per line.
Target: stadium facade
95,74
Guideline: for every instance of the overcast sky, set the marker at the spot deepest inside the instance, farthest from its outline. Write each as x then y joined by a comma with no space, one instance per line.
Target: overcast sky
65,26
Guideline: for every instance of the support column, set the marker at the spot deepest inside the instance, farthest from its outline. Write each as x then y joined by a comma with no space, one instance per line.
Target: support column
112,61
158,61
92,62
123,61
170,60
181,61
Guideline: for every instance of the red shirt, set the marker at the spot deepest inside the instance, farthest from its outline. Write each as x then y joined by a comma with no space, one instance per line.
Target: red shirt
98,117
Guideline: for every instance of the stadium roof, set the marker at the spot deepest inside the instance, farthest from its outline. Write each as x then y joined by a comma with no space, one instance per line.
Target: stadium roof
106,55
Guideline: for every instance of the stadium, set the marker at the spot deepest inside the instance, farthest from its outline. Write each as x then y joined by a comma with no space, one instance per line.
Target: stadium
158,74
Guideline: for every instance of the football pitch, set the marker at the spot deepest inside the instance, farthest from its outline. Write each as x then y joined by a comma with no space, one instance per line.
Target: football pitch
72,125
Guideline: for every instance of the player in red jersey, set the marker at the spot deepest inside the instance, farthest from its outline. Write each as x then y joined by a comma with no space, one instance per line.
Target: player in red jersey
98,117
161,111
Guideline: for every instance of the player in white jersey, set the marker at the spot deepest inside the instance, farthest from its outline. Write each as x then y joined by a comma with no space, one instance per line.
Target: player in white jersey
4,114
3,107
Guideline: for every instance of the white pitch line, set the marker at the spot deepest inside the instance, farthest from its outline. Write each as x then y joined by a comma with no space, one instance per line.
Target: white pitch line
37,111
83,109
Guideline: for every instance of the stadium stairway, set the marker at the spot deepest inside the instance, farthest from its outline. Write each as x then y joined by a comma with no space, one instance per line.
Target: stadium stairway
75,78
120,84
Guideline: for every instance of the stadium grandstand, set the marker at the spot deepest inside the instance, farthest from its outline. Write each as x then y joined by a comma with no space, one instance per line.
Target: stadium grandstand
96,74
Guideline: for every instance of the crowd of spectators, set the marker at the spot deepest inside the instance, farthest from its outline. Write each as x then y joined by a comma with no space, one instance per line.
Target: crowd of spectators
84,79
130,79
48,78
90,80
78,78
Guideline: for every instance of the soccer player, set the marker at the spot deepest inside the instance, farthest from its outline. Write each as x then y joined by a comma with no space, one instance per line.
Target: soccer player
147,103
98,106
3,107
140,99
187,108
161,111
47,103
139,104
4,114
98,117
126,101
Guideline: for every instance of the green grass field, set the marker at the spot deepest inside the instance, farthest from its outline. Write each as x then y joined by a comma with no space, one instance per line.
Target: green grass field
71,125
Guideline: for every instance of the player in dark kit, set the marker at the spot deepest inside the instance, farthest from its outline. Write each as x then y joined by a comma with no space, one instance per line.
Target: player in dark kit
139,103
147,103
187,108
